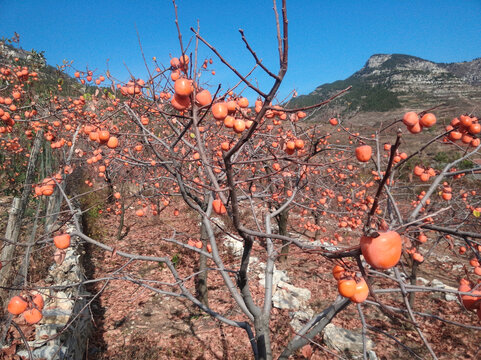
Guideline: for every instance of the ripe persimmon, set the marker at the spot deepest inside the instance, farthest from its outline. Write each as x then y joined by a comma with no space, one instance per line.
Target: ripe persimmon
410,118
104,136
243,102
415,129
231,106
455,135
301,114
180,102
113,142
382,252
38,301
239,126
346,287
229,121
32,316
184,60
418,257
363,153
219,110
465,121
203,97
447,196
361,292
469,302
47,190
225,146
183,87
418,170
219,207
338,271
299,144
174,62
291,145
94,136
175,75
424,177
62,241
474,128
17,305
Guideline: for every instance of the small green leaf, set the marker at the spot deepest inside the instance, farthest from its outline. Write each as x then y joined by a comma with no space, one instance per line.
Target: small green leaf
175,259
476,213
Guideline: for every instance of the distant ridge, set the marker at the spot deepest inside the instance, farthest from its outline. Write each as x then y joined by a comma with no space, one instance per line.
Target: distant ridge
395,81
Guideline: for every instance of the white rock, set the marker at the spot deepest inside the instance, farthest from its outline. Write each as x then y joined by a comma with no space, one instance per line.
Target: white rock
56,316
277,277
254,261
300,318
234,244
422,280
451,297
457,267
437,284
345,340
288,296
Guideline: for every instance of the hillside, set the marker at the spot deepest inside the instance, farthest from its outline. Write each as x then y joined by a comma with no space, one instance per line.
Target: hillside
50,77
394,81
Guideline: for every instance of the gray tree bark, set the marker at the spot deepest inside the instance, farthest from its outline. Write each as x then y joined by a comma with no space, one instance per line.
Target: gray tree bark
201,279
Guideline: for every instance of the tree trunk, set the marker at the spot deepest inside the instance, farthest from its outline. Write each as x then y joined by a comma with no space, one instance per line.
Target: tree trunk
54,203
201,278
263,339
122,219
282,224
317,221
413,279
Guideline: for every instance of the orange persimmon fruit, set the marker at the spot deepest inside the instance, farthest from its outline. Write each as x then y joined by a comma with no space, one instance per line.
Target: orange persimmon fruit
383,251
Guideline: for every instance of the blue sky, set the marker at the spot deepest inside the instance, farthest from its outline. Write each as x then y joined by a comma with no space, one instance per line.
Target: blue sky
328,40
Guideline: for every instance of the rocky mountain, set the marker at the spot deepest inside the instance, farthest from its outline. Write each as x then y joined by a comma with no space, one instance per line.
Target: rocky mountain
395,81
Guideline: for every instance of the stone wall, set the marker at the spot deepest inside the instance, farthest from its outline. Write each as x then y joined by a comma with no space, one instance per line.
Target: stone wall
66,325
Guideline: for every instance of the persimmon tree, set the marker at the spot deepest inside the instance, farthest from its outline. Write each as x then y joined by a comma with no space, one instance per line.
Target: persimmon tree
172,138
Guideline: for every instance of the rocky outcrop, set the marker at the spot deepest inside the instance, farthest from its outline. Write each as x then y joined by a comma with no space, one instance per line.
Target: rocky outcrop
7,51
395,81
411,75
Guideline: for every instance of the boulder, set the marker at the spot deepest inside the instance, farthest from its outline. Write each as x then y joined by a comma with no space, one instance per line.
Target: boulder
277,276
288,296
447,296
301,318
345,340
234,245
